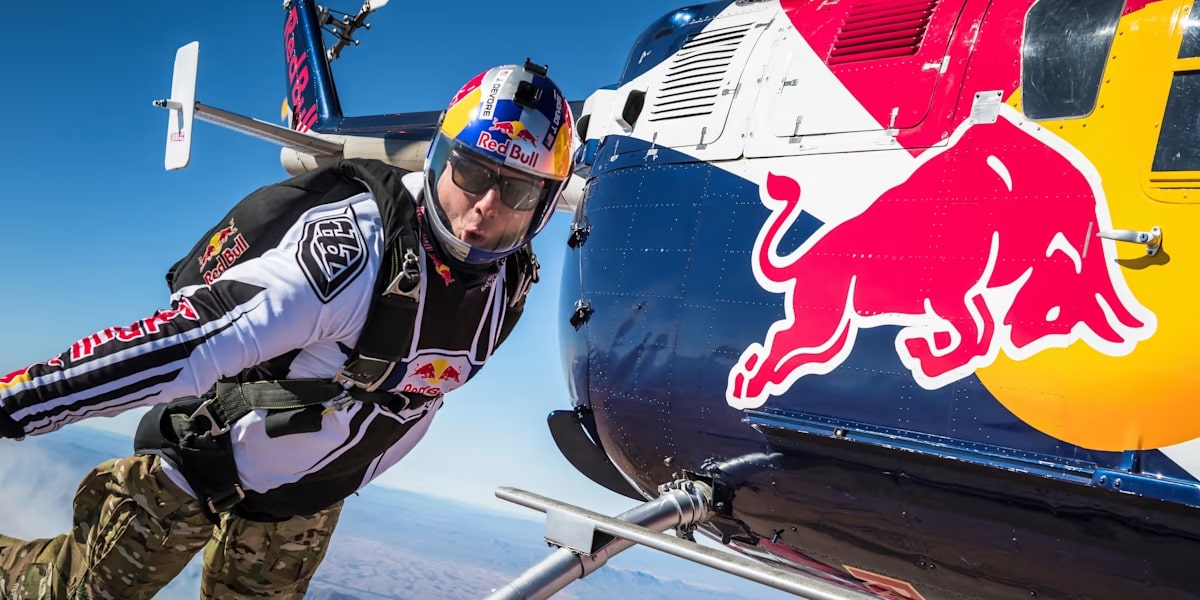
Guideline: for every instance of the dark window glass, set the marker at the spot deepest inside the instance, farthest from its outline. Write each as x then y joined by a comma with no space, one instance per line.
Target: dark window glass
1190,48
1063,55
1179,141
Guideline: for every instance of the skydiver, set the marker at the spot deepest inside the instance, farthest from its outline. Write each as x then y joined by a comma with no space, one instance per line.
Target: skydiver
310,338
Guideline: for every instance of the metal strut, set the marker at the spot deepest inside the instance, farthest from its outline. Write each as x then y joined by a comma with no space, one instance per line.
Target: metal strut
682,505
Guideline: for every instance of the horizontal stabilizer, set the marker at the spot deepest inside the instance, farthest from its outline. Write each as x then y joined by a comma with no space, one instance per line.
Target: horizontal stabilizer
184,108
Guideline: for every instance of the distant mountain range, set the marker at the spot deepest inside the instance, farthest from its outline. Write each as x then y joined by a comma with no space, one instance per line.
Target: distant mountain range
390,544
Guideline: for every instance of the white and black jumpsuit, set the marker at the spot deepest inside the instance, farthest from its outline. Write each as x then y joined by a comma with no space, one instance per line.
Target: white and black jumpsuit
280,289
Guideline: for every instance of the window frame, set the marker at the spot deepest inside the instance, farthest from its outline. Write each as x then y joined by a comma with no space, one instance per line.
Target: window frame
1098,76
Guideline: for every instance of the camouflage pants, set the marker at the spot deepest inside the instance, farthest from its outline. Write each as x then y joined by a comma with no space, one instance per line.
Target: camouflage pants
134,531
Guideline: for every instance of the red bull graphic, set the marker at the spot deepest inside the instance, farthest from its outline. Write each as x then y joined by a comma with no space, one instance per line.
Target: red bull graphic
509,149
515,130
467,88
1004,255
151,326
442,269
22,375
886,587
215,243
225,256
436,375
303,117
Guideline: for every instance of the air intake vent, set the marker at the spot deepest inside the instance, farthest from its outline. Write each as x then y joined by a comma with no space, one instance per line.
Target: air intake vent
694,79
877,29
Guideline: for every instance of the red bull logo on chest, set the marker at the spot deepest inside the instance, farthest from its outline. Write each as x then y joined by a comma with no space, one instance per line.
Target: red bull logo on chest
435,374
990,244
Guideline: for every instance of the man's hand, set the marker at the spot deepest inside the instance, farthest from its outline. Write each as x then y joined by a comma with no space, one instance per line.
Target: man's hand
9,428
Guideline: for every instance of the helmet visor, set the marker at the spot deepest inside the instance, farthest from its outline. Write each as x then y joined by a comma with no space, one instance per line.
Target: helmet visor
519,192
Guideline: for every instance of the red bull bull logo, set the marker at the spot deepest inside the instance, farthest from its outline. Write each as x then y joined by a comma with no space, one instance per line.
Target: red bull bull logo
990,244
515,130
215,243
225,256
436,376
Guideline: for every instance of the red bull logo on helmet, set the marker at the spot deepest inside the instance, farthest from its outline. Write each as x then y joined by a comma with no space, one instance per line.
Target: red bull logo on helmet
515,130
435,374
990,244
509,149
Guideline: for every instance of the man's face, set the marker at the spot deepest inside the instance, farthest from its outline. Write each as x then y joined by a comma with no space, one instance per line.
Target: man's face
482,219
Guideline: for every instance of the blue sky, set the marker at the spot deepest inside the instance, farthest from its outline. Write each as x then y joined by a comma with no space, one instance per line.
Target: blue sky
92,221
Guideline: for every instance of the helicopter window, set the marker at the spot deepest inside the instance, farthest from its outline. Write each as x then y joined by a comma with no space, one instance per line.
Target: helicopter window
1190,47
1179,140
1063,56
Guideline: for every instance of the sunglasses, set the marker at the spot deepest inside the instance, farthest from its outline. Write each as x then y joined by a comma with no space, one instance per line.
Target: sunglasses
474,177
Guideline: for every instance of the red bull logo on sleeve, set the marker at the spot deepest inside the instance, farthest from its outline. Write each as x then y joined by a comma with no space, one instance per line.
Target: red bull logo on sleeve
151,326
990,244
436,374
226,246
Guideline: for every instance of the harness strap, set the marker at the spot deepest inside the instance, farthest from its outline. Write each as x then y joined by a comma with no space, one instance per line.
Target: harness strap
233,400
203,446
387,334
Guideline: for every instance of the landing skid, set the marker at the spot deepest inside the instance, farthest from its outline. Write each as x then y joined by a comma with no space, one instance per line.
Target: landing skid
586,540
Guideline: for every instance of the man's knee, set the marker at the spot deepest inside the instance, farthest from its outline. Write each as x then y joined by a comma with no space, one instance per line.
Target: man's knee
133,531
146,529
267,559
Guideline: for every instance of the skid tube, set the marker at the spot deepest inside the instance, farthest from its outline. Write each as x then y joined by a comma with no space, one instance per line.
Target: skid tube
586,540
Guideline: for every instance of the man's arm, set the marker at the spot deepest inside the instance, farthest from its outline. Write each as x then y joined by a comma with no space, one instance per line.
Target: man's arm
256,310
